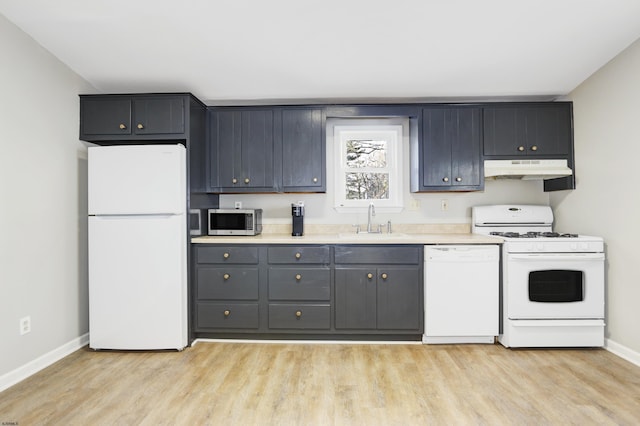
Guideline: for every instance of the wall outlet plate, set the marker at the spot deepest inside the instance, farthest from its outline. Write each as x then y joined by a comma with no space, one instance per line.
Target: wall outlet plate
25,325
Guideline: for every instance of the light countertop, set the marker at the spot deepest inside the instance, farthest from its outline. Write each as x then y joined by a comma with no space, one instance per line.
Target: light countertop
353,238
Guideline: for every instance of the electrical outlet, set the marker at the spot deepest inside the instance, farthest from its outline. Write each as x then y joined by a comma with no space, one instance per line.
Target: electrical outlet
237,204
444,205
25,325
414,204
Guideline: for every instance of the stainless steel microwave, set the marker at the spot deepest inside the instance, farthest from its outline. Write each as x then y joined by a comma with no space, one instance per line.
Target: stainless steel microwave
235,221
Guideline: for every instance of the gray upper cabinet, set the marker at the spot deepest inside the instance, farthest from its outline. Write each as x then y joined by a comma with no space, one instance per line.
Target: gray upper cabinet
241,151
449,150
303,150
133,117
542,130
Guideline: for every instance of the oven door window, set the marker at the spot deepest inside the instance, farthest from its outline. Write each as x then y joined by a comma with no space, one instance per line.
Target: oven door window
556,286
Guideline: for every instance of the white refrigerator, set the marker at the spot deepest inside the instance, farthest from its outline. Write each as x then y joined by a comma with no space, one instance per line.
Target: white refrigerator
137,247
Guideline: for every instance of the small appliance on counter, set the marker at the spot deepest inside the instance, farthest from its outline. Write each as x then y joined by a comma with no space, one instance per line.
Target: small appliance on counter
297,213
235,221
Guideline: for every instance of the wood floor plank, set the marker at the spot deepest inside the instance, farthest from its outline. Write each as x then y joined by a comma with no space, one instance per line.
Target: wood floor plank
330,384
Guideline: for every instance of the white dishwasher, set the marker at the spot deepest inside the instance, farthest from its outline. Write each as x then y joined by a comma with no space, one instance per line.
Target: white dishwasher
461,292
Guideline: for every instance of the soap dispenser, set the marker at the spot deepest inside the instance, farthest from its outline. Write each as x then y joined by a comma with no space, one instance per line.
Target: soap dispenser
297,216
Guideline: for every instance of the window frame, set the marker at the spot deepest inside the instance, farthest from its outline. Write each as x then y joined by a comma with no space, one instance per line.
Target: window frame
395,128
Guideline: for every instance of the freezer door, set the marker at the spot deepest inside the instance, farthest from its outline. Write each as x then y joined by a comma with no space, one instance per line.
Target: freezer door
137,282
137,179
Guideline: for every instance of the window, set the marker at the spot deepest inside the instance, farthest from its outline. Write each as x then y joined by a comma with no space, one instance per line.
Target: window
367,155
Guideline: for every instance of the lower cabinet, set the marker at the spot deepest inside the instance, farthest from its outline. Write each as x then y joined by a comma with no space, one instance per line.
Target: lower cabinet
267,290
377,296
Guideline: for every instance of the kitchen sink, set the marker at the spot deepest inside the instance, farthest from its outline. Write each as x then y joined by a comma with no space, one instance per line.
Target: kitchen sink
371,236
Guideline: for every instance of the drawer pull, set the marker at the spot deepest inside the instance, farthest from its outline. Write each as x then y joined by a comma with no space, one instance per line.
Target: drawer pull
298,277
226,255
298,255
226,276
298,314
122,126
234,180
458,179
534,148
227,313
521,148
246,180
384,276
370,275
140,126
445,179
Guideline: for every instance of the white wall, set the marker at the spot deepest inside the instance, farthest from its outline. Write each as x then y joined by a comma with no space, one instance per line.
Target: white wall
43,259
606,201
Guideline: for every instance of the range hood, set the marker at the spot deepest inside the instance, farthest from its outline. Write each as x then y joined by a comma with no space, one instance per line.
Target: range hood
526,169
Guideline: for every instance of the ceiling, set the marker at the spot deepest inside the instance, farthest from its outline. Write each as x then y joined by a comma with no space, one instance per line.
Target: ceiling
252,51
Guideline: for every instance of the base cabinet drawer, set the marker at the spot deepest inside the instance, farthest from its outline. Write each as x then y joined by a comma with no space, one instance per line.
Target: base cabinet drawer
227,255
239,283
228,315
299,284
300,316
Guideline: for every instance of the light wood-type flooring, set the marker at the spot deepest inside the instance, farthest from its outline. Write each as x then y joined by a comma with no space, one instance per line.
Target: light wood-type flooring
329,384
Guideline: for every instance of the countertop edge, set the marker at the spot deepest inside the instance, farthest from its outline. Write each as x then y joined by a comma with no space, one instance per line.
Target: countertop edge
425,239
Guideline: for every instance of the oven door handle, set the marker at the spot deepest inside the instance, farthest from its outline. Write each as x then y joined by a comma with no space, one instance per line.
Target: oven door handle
533,257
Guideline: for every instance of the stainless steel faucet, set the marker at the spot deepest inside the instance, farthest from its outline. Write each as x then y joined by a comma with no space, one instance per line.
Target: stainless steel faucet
370,213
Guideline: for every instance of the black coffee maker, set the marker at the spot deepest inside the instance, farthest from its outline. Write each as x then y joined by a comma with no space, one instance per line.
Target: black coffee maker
297,213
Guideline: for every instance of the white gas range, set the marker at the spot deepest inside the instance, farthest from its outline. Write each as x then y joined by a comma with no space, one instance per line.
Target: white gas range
552,283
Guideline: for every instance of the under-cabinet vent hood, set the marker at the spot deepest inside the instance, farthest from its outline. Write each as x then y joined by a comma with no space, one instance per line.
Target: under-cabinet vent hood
526,169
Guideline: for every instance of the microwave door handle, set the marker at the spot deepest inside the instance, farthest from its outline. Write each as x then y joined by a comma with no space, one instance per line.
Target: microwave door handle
557,256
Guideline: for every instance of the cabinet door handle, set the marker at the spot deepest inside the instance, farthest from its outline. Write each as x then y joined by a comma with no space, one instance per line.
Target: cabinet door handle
445,179
458,179
384,276
122,126
298,255
298,314
246,180
226,255
521,148
140,126
227,313
234,180
534,148
298,277
226,276
315,180
370,275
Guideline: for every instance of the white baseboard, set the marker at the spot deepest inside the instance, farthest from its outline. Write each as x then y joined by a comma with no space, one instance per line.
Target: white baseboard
19,374
622,351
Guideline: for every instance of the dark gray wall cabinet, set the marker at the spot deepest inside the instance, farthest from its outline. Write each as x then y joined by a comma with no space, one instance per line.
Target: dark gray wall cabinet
271,149
133,117
303,150
241,151
528,130
449,150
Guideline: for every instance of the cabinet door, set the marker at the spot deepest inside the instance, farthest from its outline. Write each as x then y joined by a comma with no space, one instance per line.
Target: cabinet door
225,153
241,151
159,115
528,130
303,150
355,298
104,116
398,298
450,151
257,150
